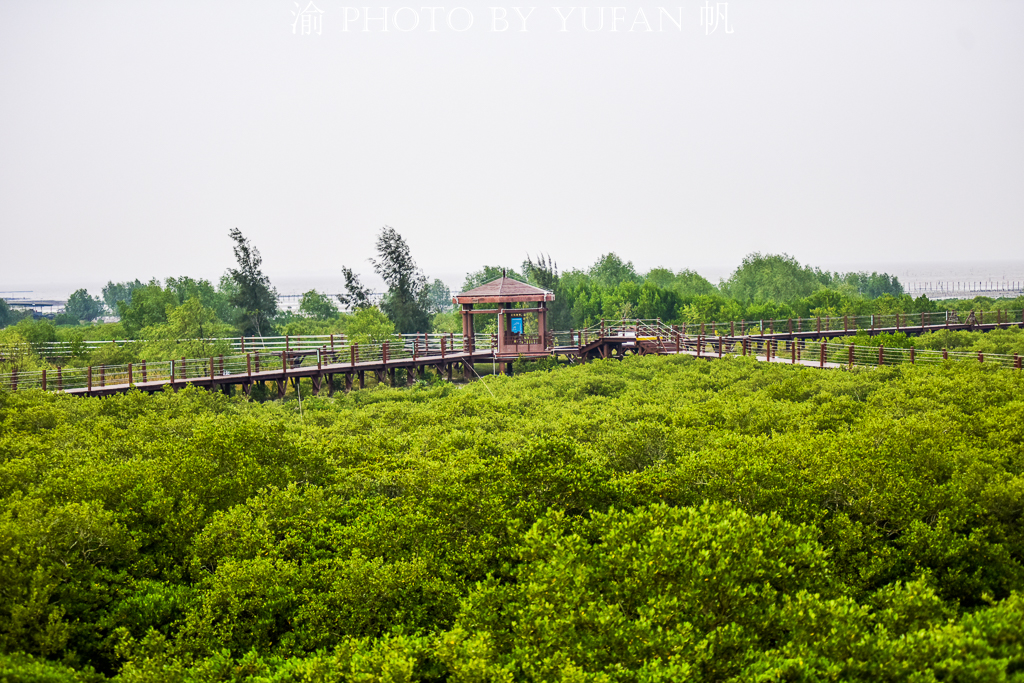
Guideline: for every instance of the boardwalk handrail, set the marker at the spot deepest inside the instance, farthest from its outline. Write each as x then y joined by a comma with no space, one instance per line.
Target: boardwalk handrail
848,324
665,340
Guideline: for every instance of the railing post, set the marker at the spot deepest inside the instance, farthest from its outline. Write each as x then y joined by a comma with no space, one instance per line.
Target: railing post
60,379
103,375
732,328
88,381
911,355
821,360
792,351
881,355
242,338
945,354
211,373
1016,361
851,357
173,376
332,343
721,343
352,351
248,366
790,320
184,370
846,323
130,376
981,357
384,353
443,340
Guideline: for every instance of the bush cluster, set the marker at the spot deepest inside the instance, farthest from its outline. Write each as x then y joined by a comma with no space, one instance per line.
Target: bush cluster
655,519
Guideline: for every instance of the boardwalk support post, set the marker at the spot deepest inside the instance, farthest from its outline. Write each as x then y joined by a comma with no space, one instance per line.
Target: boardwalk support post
851,357
44,375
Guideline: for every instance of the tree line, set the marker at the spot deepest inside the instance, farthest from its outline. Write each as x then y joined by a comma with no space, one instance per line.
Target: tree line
244,301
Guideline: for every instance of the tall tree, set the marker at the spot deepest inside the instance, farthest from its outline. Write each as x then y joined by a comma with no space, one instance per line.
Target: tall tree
356,296
317,306
115,292
81,306
406,300
255,297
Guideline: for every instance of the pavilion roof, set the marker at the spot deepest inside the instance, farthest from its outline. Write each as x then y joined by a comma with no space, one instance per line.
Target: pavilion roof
503,290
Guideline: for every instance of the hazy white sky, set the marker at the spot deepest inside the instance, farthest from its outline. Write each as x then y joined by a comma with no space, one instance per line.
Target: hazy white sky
134,135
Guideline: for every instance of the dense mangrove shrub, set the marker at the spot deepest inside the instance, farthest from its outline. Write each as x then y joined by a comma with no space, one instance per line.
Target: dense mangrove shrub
654,519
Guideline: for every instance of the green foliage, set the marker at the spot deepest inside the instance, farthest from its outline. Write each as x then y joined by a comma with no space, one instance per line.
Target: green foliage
369,326
149,305
406,302
81,306
115,293
610,271
7,316
651,519
489,274
253,296
317,306
439,298
356,296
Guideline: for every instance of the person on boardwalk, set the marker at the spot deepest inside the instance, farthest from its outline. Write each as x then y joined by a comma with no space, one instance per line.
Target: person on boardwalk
971,320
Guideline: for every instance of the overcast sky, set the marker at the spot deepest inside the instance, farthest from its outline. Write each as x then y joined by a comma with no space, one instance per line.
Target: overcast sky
134,135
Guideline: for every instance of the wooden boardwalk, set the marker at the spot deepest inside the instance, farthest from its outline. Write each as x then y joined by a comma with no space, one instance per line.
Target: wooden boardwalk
323,375
344,367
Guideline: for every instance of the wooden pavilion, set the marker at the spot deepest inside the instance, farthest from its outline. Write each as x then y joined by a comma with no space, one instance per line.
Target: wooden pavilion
513,339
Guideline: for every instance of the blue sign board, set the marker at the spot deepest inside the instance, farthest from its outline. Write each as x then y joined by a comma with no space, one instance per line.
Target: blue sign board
517,325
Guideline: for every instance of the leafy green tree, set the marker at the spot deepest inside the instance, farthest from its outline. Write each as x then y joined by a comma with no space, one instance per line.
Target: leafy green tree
439,298
369,326
255,298
406,302
317,306
82,306
609,271
116,292
355,296
6,314
149,306
489,274
185,288
543,273
775,278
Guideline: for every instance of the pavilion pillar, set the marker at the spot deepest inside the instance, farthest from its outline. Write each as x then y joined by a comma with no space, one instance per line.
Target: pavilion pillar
542,324
501,330
467,327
